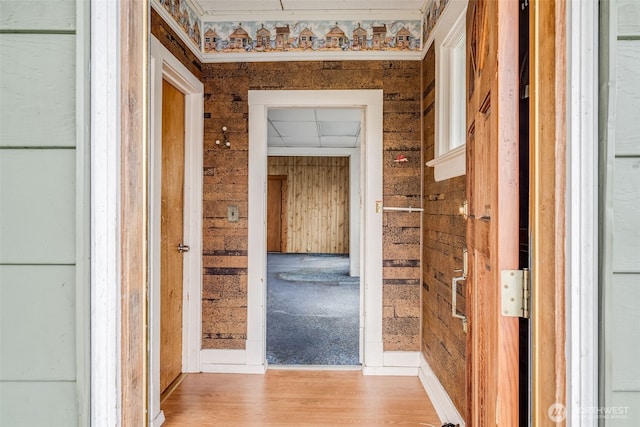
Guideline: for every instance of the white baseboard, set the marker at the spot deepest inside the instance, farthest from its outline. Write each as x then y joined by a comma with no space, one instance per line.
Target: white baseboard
401,363
440,399
228,361
158,420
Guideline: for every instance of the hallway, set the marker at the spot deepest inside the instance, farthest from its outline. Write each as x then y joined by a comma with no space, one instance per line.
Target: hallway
300,398
313,309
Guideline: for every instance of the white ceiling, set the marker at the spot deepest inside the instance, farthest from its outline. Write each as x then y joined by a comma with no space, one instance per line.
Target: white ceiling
212,7
314,127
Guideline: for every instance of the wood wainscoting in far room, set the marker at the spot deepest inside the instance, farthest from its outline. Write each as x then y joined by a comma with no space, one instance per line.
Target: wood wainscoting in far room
317,203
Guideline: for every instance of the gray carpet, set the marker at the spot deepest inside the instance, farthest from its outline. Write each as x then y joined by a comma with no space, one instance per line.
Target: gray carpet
313,310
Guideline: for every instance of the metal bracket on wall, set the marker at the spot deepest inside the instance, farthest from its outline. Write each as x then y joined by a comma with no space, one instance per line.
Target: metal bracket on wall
454,291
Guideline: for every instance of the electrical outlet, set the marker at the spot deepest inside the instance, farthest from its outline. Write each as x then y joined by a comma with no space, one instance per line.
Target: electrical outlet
232,213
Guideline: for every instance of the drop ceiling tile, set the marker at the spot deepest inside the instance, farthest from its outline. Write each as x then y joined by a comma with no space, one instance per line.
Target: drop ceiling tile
339,128
301,141
271,131
296,128
291,114
275,141
339,141
339,114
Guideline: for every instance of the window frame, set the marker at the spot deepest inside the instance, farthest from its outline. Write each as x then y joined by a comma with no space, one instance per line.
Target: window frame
450,104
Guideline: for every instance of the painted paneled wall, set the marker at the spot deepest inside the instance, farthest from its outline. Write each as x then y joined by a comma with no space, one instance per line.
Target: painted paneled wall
317,206
443,339
621,242
44,284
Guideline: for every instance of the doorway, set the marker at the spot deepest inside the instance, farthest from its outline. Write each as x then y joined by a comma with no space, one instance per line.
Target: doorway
313,303
368,262
168,75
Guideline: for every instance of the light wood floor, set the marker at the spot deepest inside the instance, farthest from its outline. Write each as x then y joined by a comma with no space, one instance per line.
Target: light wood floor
300,398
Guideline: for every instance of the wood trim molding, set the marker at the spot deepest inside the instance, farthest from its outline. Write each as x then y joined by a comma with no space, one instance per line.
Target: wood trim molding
133,210
548,209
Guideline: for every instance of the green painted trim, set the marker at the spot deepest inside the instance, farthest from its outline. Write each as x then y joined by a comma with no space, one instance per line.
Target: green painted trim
627,156
32,264
38,32
37,147
634,37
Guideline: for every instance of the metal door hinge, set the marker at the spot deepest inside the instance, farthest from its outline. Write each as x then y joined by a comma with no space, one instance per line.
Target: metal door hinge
514,286
183,248
464,209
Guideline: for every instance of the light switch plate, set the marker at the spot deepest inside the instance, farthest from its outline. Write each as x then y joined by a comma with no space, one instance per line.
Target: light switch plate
232,213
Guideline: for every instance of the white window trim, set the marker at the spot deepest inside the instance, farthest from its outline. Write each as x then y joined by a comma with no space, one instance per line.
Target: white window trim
450,107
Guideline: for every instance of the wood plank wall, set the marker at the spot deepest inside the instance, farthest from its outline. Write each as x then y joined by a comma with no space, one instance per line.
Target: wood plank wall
224,298
443,340
317,202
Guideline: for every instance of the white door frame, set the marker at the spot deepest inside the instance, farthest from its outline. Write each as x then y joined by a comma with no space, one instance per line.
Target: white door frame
164,66
371,188
582,212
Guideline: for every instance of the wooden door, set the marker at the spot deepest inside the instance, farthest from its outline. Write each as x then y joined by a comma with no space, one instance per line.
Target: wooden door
171,234
276,213
492,225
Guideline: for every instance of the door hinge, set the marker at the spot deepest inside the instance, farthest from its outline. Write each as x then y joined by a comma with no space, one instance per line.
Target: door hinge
515,293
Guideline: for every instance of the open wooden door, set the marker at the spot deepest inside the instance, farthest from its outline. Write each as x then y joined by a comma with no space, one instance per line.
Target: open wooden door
492,224
171,234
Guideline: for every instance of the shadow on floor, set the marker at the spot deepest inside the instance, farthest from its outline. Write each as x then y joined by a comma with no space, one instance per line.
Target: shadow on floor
313,310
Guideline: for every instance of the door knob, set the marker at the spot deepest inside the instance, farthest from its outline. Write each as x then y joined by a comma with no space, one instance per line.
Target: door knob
183,248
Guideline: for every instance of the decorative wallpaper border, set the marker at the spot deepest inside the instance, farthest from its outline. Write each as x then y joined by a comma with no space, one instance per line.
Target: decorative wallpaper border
297,37
292,36
431,16
183,14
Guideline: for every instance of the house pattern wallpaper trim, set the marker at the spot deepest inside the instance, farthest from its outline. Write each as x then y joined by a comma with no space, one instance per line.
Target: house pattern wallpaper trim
185,17
431,16
303,36
279,36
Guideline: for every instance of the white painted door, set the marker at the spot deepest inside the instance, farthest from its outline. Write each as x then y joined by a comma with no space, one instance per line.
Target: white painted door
620,336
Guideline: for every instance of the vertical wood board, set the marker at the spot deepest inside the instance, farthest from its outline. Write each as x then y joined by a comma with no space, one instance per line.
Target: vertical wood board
38,15
626,208
37,90
37,206
627,125
51,404
628,17
625,339
37,323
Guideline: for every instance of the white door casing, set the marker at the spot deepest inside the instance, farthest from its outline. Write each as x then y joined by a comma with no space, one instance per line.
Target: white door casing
253,358
165,66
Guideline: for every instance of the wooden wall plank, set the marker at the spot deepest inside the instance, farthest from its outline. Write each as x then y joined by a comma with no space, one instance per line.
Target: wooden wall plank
41,15
626,205
38,321
628,17
625,297
134,33
37,90
317,202
627,126
52,404
37,206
